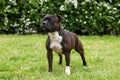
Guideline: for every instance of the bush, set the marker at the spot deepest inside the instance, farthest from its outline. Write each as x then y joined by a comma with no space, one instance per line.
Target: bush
92,17
82,17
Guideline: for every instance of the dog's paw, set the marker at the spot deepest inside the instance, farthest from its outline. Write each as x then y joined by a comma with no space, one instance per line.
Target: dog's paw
67,70
49,72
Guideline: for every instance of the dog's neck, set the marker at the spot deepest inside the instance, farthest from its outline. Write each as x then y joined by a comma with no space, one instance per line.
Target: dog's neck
53,34
57,31
59,28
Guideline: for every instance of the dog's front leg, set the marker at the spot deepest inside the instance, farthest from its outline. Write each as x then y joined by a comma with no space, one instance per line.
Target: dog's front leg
60,59
50,60
67,58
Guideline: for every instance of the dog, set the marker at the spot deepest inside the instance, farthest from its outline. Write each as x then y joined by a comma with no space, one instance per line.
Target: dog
61,41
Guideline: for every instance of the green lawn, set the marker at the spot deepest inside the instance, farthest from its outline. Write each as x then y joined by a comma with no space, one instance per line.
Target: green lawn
24,58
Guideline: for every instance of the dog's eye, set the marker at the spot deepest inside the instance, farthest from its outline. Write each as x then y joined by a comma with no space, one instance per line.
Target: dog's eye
48,19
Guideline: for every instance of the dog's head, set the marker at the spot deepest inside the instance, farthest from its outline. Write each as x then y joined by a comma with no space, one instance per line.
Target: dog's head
51,23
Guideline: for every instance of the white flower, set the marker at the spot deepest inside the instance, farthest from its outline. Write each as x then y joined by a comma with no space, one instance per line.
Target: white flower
24,21
119,21
6,21
27,19
106,4
118,4
66,20
80,20
115,9
65,15
95,2
110,1
27,23
110,11
47,7
86,16
92,12
74,2
45,0
83,9
90,7
33,21
84,22
62,8
15,3
108,7
67,1
8,6
97,7
100,14
87,0
78,12
71,12
76,19
82,3
15,24
86,12
40,1
28,11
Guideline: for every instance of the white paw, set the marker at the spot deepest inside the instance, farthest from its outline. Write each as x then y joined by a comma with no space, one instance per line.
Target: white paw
67,70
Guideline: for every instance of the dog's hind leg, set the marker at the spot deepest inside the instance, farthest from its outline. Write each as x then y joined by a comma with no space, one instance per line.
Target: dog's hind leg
80,50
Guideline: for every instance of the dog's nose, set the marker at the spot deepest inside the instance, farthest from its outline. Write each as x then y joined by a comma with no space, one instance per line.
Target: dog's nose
44,23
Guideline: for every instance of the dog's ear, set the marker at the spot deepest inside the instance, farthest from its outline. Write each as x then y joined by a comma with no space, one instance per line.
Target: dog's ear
60,18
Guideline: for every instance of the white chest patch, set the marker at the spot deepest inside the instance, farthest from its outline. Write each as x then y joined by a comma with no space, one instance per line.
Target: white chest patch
55,42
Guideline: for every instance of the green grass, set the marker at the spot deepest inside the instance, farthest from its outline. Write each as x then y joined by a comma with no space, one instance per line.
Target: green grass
24,58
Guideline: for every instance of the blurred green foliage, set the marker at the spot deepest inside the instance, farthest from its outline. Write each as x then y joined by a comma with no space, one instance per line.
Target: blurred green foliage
88,17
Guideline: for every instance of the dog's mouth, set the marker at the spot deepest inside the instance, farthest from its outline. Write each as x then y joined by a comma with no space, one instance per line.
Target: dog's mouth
43,29
47,29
